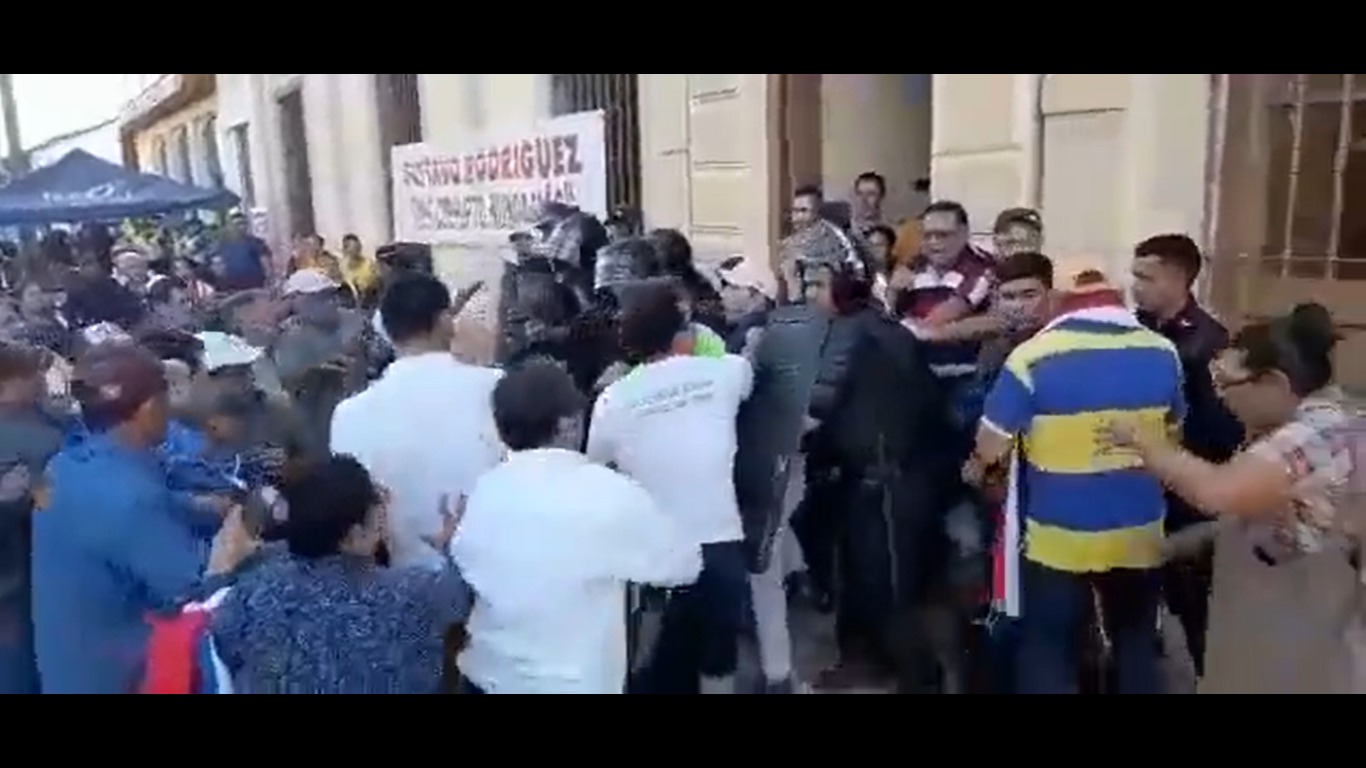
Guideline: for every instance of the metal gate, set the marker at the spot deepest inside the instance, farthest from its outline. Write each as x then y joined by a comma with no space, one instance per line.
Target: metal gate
619,98
1288,201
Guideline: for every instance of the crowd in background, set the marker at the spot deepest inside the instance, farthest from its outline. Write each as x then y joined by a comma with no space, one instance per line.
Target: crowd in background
224,472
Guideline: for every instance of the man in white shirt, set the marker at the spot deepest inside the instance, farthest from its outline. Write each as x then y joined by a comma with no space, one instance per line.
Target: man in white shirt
425,430
549,542
670,425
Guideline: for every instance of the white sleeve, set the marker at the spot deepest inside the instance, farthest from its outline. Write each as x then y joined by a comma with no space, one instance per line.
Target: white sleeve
601,448
345,438
651,547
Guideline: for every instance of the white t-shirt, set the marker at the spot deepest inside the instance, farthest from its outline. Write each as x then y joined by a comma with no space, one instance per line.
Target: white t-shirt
424,431
548,544
670,426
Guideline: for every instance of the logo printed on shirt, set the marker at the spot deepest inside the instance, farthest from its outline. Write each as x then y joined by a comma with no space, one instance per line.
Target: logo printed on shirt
675,398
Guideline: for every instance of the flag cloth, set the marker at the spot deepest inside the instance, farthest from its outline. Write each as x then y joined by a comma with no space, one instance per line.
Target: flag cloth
181,659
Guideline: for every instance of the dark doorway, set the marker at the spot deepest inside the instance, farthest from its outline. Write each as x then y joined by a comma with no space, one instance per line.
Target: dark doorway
298,176
399,99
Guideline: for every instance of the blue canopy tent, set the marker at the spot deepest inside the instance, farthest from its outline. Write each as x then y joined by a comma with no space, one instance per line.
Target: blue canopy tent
83,188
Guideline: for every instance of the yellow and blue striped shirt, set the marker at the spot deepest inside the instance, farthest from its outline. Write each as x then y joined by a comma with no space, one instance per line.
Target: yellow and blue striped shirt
1088,508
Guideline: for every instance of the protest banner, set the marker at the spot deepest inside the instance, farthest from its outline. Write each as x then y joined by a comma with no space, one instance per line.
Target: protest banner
482,193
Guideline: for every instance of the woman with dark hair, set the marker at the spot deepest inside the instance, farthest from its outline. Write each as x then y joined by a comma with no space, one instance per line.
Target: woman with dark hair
875,482
322,617
676,259
1286,575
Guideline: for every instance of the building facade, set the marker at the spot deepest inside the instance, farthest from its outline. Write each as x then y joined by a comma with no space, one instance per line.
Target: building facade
170,127
307,153
1263,170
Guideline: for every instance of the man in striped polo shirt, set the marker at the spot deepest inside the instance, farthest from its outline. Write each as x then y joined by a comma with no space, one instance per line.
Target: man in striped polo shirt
1092,520
950,282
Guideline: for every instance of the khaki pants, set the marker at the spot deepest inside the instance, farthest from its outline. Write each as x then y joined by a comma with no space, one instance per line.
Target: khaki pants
1290,628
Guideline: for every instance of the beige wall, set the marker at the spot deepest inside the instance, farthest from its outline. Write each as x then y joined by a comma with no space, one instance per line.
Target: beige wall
342,122
708,164
1122,156
455,109
456,106
1109,158
877,123
191,118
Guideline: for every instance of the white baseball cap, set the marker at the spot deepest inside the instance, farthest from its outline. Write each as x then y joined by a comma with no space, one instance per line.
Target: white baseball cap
741,272
306,282
222,350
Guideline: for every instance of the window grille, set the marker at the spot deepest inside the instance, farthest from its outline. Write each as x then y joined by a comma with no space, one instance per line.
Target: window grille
1316,193
618,96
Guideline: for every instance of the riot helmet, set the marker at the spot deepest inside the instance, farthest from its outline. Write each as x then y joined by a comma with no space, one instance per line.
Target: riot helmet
624,262
812,254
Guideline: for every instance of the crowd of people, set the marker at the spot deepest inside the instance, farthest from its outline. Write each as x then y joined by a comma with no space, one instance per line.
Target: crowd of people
246,476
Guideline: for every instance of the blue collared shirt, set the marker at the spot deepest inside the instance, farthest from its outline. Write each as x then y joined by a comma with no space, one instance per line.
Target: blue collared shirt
109,548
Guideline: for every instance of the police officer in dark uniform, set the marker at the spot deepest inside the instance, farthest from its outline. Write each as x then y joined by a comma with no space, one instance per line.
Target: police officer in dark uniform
1165,269
875,465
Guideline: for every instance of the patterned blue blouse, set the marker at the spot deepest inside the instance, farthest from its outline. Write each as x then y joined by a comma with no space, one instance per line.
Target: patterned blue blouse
339,625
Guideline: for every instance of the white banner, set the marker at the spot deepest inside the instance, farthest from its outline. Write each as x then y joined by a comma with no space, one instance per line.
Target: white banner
481,194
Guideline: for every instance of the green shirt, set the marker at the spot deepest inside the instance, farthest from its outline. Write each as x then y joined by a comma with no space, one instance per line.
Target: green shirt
708,342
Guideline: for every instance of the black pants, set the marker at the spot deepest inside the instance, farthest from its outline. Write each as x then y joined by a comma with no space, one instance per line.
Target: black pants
816,525
887,539
699,635
1186,586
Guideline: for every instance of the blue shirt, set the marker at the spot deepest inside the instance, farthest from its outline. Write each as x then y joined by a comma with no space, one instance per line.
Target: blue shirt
338,625
108,549
193,469
242,262
1087,507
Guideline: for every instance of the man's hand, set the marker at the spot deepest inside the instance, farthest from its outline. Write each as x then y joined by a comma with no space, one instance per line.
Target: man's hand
219,505
232,545
752,341
919,330
451,514
16,484
974,472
